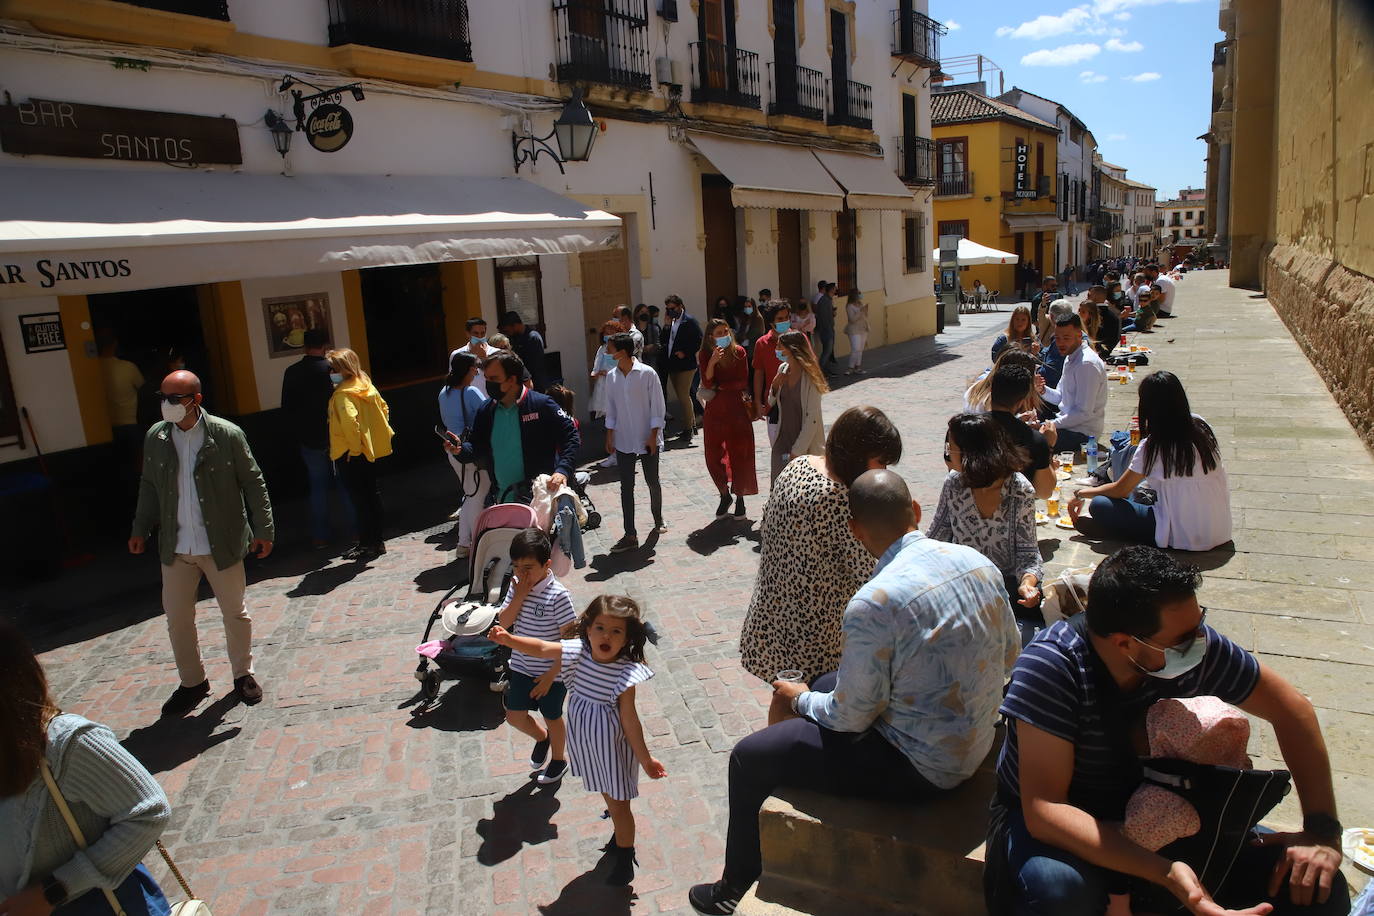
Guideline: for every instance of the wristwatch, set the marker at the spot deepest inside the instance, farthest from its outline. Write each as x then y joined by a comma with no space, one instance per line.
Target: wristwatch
794,704
1322,826
54,892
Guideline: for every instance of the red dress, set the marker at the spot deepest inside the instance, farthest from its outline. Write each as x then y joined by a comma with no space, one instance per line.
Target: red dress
727,425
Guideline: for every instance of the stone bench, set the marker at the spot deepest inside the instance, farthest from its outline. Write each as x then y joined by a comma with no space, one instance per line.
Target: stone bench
826,855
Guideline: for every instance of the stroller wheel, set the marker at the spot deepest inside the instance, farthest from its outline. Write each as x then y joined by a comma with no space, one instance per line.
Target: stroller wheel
429,682
593,520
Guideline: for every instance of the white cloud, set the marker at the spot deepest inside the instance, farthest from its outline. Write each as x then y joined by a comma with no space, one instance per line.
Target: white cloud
1087,76
1126,47
1122,16
1117,137
952,26
1148,77
1062,56
1042,27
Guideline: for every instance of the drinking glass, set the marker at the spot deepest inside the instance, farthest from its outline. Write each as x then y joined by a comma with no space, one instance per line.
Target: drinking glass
790,675
1052,505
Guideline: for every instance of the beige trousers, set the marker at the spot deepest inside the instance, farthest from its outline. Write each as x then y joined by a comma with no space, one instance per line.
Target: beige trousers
682,387
180,583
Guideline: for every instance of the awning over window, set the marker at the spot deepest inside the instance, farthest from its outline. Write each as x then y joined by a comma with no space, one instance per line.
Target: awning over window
1106,245
869,182
1032,222
75,231
770,175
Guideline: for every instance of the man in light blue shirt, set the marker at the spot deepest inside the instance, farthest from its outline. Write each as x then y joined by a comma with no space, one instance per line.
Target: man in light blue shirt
634,433
928,642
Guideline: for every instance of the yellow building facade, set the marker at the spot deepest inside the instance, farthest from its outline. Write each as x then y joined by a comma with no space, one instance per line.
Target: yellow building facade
995,185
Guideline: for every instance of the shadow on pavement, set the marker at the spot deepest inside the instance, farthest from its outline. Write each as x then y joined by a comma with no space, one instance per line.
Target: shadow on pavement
522,818
324,581
722,532
168,743
468,706
607,566
441,578
589,893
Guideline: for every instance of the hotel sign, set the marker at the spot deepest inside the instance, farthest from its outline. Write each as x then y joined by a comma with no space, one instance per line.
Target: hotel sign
51,128
1024,188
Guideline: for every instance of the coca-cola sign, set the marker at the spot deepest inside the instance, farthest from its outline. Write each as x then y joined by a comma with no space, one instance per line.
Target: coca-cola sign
329,128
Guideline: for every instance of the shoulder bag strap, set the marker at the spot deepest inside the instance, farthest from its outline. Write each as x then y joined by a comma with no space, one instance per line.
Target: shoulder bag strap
61,803
176,872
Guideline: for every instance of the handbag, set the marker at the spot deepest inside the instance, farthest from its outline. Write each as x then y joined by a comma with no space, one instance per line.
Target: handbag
189,907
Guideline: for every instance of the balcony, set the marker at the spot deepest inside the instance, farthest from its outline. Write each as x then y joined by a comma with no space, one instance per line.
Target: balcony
915,160
603,41
430,28
916,38
720,73
205,9
954,184
797,91
851,104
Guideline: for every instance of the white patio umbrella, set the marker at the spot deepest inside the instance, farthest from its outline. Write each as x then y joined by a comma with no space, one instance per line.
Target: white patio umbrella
972,254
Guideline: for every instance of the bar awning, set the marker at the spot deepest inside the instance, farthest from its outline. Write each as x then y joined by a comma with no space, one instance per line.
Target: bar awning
76,231
773,176
869,183
1032,222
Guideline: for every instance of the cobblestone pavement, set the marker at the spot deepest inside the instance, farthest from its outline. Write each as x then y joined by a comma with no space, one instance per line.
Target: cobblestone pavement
332,797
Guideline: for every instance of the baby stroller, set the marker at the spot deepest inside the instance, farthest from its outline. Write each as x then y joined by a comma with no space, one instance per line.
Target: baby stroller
466,653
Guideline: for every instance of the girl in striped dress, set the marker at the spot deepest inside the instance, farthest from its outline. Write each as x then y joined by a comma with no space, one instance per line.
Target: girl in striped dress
601,666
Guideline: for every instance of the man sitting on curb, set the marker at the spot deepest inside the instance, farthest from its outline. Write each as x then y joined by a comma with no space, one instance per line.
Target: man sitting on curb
1068,763
910,713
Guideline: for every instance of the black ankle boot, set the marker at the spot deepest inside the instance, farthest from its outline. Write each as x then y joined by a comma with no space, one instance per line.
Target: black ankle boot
623,872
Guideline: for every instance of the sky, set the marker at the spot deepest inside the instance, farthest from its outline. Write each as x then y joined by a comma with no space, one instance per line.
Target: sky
1138,73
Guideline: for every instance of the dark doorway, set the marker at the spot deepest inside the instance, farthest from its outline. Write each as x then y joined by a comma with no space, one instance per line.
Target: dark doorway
785,53
718,218
839,64
789,255
910,165
154,327
847,251
403,308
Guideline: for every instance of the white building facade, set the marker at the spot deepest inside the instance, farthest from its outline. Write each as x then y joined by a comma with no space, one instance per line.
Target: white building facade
739,146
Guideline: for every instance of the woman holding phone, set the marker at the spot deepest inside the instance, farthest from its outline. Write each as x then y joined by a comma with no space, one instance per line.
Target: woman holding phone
459,401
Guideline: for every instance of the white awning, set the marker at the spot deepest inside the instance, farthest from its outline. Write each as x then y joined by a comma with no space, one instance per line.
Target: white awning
1105,245
869,182
773,176
75,231
1032,222
971,254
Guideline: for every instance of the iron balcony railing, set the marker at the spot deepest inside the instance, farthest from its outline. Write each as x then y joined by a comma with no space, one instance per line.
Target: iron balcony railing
953,184
851,104
916,160
724,74
916,38
603,41
797,91
434,28
205,9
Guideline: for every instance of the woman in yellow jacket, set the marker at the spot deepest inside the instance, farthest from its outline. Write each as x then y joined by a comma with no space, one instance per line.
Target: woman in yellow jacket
359,434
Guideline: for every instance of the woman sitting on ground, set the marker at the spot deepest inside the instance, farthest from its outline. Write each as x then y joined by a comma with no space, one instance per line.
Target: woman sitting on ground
978,397
1018,333
988,505
810,565
1092,322
1179,455
797,389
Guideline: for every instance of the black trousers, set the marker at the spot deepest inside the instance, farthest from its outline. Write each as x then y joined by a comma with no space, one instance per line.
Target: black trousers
625,461
359,477
801,754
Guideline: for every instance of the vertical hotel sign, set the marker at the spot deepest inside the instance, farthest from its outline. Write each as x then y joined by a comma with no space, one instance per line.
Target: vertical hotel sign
1024,188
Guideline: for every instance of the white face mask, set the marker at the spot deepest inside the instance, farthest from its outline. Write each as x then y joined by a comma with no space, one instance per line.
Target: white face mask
173,413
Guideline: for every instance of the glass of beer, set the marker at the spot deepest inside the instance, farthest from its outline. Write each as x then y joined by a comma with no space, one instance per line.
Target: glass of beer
1130,363
1121,374
1052,504
1135,435
1066,463
1134,348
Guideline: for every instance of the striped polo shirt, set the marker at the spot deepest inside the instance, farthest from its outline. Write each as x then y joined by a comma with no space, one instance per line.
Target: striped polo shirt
1055,687
546,609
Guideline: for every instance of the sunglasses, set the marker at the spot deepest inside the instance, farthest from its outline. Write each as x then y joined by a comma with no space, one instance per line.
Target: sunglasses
1186,643
170,398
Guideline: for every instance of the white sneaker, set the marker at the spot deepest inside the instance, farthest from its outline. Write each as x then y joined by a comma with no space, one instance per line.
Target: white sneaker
455,513
553,773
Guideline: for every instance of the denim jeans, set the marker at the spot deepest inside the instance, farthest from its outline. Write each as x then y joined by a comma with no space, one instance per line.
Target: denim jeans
1124,519
1070,439
320,471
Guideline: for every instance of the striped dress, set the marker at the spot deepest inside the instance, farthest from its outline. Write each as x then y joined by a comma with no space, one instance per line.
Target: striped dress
597,748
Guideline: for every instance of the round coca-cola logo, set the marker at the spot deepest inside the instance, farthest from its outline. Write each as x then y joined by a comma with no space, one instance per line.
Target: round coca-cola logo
329,128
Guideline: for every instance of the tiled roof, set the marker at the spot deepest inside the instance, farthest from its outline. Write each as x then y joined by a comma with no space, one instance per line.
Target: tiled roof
1137,184
961,106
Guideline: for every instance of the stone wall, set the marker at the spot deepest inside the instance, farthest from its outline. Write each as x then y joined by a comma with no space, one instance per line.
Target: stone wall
1329,308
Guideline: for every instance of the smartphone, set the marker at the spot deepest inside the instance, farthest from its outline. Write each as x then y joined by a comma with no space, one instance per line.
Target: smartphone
447,436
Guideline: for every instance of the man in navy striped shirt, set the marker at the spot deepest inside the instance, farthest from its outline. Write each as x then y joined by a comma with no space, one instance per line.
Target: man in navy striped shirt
1069,763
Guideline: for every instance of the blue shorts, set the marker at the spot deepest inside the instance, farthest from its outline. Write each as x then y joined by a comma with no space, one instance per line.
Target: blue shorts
518,698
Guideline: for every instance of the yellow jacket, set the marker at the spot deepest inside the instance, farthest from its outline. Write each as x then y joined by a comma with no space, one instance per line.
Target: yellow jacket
358,421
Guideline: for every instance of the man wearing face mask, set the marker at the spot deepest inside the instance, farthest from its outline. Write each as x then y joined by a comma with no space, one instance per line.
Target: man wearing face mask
305,392
198,477
1069,762
778,320
682,336
519,434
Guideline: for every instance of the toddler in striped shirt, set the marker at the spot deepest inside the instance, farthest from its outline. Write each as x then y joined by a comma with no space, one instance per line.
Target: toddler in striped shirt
537,606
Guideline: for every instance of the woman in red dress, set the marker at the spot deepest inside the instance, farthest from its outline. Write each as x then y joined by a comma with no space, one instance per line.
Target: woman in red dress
728,432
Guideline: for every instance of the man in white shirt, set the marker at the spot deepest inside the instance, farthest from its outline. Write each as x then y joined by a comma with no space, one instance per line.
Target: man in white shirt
1167,284
1137,286
1082,393
625,318
634,433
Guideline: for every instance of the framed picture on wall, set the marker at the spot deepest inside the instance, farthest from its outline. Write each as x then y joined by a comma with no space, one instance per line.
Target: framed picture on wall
519,288
287,318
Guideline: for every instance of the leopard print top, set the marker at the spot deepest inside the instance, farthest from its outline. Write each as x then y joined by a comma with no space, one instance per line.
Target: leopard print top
809,568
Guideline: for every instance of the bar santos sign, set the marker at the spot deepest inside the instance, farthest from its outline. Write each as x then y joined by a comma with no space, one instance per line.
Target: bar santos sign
45,127
1024,189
